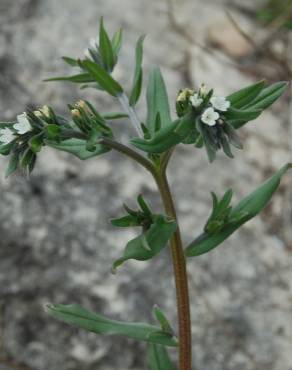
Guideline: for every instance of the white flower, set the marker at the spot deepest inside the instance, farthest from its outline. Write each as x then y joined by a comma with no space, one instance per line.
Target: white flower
209,117
220,103
22,126
196,100
6,135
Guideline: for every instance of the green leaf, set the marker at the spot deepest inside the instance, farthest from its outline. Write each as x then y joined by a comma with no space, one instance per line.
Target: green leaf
79,79
105,48
157,358
12,165
268,96
138,77
248,208
157,100
161,318
72,62
53,131
168,136
233,115
125,221
242,97
114,115
103,79
149,243
78,316
36,143
77,147
117,43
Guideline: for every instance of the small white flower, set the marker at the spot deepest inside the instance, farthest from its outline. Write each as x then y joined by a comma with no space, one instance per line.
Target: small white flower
196,100
22,126
6,135
220,103
209,117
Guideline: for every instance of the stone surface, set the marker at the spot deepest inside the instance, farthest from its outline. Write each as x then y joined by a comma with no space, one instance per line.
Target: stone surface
56,244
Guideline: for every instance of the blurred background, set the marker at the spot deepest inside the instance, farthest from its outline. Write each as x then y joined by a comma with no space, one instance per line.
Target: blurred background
56,244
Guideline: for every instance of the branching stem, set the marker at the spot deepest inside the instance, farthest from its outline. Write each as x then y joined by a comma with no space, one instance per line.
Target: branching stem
178,258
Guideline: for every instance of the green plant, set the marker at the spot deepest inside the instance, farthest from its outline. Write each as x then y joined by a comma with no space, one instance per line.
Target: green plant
278,11
204,120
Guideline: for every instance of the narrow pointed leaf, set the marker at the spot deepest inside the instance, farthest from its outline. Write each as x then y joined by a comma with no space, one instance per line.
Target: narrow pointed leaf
79,79
12,164
82,318
102,77
77,147
117,42
248,208
105,48
157,358
245,96
268,96
72,62
157,100
138,76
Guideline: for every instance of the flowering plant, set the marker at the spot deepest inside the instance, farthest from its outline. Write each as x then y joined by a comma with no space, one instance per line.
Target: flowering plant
204,120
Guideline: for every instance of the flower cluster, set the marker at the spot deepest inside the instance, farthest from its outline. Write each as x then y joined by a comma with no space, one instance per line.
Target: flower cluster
211,126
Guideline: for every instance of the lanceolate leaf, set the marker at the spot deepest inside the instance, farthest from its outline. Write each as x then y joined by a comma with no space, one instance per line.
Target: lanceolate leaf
79,79
102,77
77,147
105,48
78,316
243,97
138,77
157,100
157,358
268,96
149,243
117,42
248,208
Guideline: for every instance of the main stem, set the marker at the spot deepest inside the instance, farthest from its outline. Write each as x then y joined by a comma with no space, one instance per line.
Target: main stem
178,257
181,280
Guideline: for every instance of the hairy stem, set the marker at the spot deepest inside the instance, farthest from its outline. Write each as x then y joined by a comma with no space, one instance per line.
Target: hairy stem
181,280
124,101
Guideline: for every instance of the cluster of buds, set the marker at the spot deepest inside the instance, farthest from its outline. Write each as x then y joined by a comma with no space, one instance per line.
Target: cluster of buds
90,123
211,119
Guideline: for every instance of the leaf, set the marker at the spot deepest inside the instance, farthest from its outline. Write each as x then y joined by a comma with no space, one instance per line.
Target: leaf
149,243
125,221
72,62
12,164
36,143
102,78
161,318
79,79
233,115
247,208
105,48
138,76
117,43
157,100
77,147
242,97
157,358
168,136
268,96
115,115
78,316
